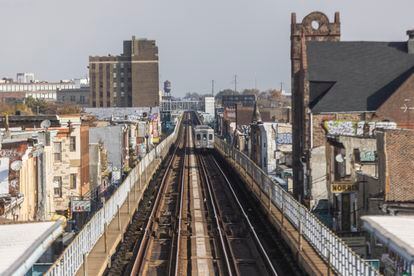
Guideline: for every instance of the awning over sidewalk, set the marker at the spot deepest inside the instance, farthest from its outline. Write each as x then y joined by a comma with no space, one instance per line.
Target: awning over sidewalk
22,244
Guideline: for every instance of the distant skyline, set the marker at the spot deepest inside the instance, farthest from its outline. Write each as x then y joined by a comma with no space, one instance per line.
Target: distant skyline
198,41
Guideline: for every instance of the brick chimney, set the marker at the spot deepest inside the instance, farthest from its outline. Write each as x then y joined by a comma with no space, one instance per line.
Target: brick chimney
410,43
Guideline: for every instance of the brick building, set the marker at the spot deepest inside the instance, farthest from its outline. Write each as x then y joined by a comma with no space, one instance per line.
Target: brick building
127,80
342,81
396,164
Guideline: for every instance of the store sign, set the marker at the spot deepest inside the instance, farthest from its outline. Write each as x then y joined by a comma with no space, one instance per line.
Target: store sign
344,188
79,206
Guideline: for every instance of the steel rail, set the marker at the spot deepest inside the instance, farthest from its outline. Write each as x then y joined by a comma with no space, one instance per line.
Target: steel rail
263,251
143,247
216,215
180,219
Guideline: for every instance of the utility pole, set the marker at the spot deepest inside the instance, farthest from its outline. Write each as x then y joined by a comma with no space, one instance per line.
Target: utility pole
281,86
235,83
212,88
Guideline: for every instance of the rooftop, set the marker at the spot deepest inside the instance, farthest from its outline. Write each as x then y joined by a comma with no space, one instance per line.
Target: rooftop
355,76
395,232
22,244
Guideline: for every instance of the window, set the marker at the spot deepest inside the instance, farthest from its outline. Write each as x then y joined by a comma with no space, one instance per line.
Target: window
82,99
57,151
73,181
57,186
72,98
72,145
210,137
204,136
198,137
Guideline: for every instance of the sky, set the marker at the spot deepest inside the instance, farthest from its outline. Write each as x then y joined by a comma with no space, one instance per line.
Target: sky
198,41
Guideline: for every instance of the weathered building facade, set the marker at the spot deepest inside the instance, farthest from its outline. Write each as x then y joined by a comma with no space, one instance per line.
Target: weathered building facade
347,82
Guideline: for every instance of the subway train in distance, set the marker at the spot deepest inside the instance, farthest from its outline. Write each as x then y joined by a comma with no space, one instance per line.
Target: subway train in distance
203,137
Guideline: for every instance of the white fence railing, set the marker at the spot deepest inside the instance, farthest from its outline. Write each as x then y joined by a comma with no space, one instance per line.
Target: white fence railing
72,257
328,245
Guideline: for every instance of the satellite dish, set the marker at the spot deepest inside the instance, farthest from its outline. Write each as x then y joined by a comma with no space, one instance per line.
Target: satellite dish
16,165
45,124
339,158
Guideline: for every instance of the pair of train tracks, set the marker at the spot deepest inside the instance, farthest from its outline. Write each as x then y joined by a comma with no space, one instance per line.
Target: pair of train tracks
243,252
158,250
196,222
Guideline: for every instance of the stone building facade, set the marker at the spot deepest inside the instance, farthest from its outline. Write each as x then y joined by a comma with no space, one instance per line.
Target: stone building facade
66,165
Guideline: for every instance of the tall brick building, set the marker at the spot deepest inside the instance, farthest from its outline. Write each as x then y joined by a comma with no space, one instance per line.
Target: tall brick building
314,27
128,80
342,81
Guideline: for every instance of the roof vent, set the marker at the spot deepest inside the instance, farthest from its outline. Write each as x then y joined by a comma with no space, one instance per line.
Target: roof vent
410,43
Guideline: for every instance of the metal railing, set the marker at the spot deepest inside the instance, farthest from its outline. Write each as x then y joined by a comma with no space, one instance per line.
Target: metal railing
329,246
72,258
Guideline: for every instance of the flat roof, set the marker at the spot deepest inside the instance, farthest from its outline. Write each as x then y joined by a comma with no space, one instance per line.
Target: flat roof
396,232
22,244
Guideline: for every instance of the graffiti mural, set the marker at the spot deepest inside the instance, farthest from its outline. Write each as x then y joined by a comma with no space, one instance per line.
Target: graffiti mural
374,125
350,128
340,127
284,139
367,156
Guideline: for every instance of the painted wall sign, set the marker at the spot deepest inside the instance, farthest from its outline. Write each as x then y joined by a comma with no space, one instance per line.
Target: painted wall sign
344,188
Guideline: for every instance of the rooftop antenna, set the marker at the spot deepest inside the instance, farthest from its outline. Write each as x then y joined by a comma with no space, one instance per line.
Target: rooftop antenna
212,88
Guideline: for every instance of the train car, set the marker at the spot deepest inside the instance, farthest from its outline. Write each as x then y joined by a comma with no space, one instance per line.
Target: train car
203,137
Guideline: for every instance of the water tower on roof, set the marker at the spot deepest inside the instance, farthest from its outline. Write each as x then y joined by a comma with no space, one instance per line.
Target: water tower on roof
167,87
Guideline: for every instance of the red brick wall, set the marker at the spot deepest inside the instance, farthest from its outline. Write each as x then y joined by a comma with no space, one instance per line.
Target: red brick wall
394,108
397,159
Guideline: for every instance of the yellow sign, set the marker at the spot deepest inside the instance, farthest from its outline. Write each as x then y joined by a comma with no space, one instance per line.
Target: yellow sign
344,188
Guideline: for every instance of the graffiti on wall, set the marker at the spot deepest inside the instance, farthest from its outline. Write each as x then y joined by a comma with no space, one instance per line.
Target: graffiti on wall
340,127
367,156
350,128
284,139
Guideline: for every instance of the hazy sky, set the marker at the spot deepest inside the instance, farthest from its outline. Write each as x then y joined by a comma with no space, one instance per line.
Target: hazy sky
198,40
